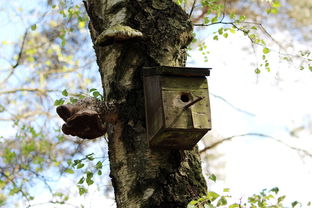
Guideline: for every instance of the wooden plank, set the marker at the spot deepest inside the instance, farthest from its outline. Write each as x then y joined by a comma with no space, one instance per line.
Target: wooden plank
176,71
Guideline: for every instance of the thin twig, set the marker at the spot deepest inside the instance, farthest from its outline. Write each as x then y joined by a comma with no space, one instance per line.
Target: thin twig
204,11
242,30
192,9
305,152
18,60
19,56
230,104
40,91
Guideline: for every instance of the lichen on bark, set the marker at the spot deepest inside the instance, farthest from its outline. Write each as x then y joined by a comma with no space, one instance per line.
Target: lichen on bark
141,176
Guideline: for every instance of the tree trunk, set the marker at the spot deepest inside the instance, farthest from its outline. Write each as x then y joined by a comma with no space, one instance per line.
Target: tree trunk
158,33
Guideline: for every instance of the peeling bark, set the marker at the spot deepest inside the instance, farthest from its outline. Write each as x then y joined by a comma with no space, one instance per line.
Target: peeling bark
142,177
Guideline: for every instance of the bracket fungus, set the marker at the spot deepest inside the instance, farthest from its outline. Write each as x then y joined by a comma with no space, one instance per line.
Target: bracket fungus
117,33
83,119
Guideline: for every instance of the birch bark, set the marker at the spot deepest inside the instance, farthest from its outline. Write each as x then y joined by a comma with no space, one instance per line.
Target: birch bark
142,177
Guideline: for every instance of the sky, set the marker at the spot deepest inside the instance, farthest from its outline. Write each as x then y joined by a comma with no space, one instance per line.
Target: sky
273,103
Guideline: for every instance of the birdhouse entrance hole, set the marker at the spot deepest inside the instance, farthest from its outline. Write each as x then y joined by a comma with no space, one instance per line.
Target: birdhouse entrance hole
185,97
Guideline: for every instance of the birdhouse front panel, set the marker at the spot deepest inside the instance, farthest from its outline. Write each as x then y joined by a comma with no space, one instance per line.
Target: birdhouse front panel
176,105
186,102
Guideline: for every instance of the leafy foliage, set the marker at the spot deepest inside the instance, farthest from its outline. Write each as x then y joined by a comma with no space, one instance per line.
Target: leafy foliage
265,199
54,44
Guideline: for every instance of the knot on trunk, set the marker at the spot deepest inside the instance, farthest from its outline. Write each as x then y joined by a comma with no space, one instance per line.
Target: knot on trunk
84,119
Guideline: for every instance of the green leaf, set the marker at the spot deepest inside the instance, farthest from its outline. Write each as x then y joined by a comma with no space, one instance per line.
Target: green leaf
89,178
275,190
263,42
215,37
257,71
89,174
80,165
266,50
220,31
82,179
276,4
213,177
8,156
76,162
233,16
215,19
70,171
82,191
99,165
233,30
96,94
65,93
273,10
225,35
33,27
63,42
90,156
2,108
222,201
212,195
89,181
69,162
242,18
234,206
194,202
14,190
293,204
59,102
73,100
280,199
226,190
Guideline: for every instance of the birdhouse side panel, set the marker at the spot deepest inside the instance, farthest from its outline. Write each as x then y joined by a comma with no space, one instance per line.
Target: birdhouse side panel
153,105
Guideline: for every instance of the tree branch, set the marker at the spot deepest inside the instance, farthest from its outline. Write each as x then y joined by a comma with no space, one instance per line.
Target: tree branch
19,56
230,104
40,91
305,152
192,9
234,24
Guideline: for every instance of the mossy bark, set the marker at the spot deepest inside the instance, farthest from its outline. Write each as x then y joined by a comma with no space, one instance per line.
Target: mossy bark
143,177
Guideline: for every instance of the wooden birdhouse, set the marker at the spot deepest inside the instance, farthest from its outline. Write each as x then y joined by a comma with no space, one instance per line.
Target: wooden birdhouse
177,106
